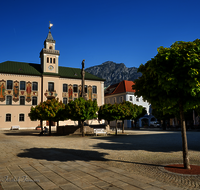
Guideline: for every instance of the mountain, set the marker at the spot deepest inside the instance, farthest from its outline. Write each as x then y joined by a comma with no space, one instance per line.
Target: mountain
114,72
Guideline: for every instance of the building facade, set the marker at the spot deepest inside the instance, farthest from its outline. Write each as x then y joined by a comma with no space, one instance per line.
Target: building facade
123,91
23,85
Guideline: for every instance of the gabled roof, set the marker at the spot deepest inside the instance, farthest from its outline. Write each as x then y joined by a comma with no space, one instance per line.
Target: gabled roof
121,87
13,67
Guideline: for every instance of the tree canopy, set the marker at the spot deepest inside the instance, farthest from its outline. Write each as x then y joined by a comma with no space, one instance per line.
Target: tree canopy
81,110
171,82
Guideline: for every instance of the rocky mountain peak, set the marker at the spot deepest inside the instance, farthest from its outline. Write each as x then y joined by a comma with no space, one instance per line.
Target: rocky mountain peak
114,72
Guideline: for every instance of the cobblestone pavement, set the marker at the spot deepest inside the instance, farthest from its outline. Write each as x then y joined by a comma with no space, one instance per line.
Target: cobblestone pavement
132,161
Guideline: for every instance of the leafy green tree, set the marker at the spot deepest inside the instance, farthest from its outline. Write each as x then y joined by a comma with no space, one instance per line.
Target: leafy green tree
81,110
35,114
139,111
171,81
105,112
51,110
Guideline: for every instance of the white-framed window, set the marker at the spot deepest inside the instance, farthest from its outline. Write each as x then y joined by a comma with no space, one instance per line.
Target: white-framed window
8,100
50,86
130,98
35,86
94,89
34,100
9,85
8,117
65,101
22,85
75,88
121,99
21,117
137,99
65,88
114,100
22,100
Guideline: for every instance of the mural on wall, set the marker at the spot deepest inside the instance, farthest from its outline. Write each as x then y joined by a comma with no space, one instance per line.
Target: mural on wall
70,92
90,92
2,90
79,90
28,91
16,91
65,94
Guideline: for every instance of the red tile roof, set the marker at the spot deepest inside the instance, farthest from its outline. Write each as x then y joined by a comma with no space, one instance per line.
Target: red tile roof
123,86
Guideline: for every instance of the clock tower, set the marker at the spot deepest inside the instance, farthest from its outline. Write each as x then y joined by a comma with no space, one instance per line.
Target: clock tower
48,55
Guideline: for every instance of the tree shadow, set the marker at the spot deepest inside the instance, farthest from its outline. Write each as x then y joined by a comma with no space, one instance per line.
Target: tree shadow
63,155
161,142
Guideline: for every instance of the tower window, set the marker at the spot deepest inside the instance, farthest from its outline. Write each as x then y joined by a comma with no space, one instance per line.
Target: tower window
50,60
54,60
47,59
50,47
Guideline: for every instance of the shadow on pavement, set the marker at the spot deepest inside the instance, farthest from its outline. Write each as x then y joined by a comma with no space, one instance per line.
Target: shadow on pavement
58,154
167,142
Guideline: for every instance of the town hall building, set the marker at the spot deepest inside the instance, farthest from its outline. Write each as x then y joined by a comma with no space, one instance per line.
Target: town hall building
23,85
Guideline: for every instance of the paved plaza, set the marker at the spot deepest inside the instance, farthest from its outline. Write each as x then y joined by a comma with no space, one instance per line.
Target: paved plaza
132,161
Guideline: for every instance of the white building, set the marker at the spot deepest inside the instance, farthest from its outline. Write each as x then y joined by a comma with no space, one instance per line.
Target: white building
119,92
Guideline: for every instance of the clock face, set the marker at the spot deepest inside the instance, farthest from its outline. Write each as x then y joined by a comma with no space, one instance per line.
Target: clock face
50,67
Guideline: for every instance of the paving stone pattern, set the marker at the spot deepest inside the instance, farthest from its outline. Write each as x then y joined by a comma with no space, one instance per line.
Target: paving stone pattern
134,161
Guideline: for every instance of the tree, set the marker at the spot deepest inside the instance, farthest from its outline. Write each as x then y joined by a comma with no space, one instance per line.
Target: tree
105,112
128,111
171,81
110,112
35,114
158,113
50,110
139,111
81,110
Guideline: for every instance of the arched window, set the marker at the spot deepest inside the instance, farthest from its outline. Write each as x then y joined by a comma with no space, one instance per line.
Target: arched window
54,60
47,59
50,47
8,117
65,88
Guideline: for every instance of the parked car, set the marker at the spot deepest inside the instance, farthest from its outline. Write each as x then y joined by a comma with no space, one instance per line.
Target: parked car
155,124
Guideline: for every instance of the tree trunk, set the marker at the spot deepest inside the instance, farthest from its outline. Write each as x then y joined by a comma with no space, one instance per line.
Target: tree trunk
186,161
122,126
49,128
82,128
116,128
41,125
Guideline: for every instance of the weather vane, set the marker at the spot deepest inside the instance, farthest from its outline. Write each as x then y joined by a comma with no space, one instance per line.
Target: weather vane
50,25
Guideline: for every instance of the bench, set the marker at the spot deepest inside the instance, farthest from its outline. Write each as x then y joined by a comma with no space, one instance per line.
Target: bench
14,127
100,131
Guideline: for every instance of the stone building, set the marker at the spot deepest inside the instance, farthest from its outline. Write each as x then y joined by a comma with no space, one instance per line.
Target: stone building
23,85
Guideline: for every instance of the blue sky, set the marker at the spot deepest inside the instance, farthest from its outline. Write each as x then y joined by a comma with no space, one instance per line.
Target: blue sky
123,31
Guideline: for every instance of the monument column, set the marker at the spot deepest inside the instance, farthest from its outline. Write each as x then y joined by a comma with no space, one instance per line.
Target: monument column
83,95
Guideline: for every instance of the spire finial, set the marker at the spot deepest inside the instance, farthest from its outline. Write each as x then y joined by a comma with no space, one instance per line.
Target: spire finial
50,25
